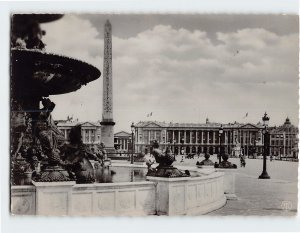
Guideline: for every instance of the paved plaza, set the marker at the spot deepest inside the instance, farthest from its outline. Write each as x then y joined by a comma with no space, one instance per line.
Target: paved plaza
277,196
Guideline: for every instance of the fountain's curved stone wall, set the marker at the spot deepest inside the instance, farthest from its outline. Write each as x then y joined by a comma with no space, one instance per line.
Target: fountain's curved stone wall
161,196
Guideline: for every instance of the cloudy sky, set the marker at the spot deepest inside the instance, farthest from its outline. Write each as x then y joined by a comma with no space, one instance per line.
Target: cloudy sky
184,68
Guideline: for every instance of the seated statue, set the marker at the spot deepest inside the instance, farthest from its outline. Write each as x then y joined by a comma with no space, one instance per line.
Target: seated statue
164,160
225,163
140,157
206,161
76,158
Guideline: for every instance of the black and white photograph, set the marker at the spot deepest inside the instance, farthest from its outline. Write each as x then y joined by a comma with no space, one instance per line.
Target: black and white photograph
139,114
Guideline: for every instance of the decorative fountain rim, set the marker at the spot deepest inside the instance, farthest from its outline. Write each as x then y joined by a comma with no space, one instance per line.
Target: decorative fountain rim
80,71
41,18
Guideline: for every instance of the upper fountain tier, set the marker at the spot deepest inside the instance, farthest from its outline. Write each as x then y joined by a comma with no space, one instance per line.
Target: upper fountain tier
41,74
37,73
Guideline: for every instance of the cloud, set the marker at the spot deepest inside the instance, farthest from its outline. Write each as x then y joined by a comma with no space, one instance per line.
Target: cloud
182,75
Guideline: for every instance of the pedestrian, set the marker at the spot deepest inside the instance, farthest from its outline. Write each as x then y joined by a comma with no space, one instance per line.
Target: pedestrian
182,159
243,162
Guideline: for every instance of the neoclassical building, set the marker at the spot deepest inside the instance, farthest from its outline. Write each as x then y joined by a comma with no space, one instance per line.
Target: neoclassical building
201,138
284,140
122,141
91,134
90,131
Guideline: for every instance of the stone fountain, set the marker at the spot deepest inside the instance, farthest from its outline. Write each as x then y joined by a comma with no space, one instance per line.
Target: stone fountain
37,146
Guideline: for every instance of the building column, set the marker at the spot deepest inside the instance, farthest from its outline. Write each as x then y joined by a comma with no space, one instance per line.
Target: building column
173,136
184,136
284,145
207,137
148,137
196,136
214,137
201,137
191,137
83,135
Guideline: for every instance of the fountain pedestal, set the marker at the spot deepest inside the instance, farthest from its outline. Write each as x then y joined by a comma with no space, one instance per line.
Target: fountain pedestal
53,198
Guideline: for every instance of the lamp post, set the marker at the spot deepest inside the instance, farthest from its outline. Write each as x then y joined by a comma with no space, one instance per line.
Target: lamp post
174,141
132,141
220,135
264,174
279,153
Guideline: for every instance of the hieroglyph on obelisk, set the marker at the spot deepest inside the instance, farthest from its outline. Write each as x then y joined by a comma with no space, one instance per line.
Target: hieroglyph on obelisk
107,123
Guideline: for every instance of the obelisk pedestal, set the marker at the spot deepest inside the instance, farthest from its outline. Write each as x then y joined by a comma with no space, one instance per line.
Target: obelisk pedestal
107,123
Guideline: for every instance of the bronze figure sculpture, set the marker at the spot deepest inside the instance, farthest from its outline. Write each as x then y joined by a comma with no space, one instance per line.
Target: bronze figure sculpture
165,160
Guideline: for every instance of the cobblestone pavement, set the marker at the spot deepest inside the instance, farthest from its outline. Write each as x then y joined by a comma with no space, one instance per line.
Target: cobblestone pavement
277,196
261,197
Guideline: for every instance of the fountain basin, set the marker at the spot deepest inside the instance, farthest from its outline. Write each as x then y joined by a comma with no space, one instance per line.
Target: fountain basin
156,196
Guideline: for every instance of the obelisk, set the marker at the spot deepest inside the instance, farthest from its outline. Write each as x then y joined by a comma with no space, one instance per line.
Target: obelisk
107,123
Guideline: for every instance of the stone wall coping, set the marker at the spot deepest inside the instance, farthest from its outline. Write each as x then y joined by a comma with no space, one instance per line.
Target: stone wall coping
118,164
72,183
53,184
178,179
115,185
25,187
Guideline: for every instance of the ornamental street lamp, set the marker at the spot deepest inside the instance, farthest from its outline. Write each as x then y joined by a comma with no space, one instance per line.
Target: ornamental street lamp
280,152
174,141
264,174
132,140
220,135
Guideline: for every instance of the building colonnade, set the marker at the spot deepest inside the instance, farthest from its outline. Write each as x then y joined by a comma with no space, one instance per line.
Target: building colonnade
193,140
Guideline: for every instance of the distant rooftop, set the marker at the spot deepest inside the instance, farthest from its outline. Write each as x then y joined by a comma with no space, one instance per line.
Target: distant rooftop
208,124
74,123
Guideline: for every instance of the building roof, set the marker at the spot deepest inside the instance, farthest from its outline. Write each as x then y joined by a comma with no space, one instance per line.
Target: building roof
62,123
195,125
122,134
287,127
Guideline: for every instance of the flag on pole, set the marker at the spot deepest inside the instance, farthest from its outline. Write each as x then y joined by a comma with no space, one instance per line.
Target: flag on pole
149,114
245,115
